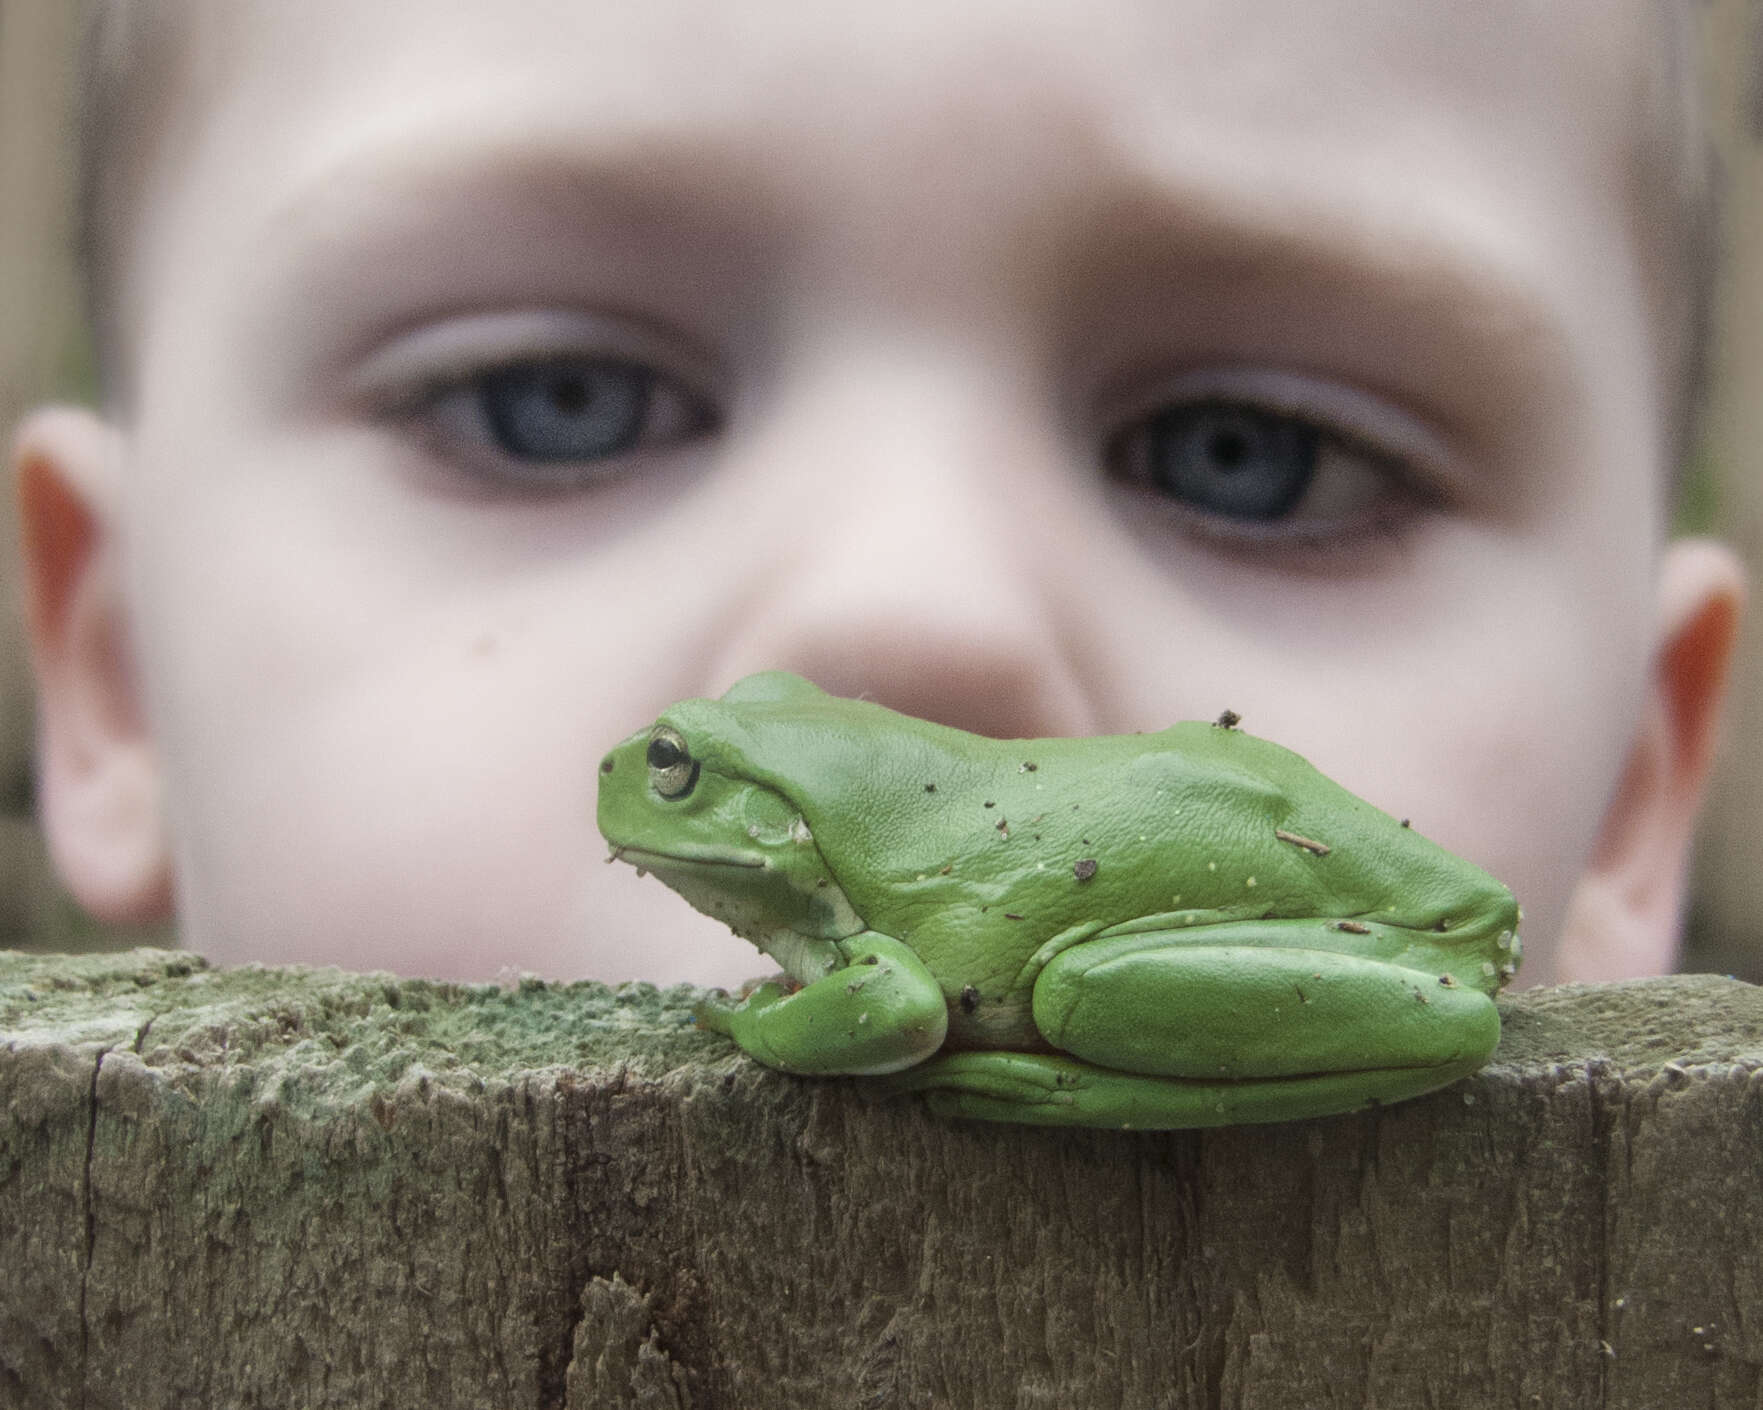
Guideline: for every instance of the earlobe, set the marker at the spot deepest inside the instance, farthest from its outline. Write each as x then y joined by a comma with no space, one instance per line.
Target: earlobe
98,774
1625,913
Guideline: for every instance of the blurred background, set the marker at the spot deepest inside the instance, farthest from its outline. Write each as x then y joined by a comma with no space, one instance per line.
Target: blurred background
44,355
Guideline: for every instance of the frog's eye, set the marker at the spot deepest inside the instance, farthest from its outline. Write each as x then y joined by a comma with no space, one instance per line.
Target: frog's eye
672,769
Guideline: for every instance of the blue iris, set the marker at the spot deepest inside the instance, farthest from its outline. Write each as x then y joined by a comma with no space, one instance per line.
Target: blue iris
567,409
1231,460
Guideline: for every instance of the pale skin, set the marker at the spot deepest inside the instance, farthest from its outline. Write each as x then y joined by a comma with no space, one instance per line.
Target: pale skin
325,670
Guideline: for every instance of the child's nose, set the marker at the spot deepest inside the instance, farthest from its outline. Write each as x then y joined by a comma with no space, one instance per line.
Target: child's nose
931,557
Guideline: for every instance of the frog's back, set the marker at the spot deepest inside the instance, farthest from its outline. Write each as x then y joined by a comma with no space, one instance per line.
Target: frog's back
1265,802
920,818
1251,828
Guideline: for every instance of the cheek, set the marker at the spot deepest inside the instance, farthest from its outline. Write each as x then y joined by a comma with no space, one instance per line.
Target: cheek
430,811
1524,800
435,816
1486,688
381,723
1506,744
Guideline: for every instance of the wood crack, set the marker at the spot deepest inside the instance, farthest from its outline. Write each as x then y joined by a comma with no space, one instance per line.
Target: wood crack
91,1220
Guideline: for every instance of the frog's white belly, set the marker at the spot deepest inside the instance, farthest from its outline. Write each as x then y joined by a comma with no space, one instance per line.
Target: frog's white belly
805,958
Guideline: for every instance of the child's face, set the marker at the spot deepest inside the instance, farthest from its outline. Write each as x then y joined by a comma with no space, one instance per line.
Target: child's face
897,301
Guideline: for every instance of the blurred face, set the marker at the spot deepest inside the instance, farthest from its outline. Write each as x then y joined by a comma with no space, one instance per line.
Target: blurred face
505,373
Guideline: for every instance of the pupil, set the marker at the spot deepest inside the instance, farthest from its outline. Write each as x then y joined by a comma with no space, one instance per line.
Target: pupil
570,395
664,754
1229,451
570,409
1240,462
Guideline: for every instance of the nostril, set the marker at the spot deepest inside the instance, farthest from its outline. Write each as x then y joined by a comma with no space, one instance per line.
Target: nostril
606,765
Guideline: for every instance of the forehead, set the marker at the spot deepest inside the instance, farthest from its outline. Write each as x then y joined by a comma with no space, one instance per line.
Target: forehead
685,57
778,94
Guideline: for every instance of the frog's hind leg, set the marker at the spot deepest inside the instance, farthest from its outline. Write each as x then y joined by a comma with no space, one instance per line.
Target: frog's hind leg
1208,1026
1250,1000
1039,1089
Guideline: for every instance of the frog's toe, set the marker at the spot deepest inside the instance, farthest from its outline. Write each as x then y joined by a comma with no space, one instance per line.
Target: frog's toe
711,1011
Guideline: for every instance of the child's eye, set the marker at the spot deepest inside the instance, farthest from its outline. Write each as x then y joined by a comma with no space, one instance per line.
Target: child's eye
566,409
557,416
1243,470
556,421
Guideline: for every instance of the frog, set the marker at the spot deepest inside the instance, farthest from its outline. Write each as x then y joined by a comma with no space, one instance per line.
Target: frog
1184,928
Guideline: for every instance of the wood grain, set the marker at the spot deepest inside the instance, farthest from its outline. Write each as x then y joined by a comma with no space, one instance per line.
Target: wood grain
271,1187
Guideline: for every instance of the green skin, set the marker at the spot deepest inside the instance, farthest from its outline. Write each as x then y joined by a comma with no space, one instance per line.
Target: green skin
1188,928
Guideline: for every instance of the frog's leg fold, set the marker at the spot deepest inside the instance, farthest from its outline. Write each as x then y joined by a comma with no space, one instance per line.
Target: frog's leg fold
1041,1090
881,1012
1247,1001
1215,1026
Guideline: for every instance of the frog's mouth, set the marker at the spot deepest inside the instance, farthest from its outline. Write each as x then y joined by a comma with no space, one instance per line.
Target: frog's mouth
648,859
766,916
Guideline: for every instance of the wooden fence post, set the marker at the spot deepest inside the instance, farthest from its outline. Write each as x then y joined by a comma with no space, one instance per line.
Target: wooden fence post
285,1187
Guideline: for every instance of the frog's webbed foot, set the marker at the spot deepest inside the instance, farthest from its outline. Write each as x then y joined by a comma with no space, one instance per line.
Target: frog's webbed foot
879,1013
716,1008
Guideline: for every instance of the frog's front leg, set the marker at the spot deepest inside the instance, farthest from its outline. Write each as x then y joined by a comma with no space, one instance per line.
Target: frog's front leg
1184,1028
882,1012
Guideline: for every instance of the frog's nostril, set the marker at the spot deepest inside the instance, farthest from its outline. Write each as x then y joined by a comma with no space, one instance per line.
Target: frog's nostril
606,765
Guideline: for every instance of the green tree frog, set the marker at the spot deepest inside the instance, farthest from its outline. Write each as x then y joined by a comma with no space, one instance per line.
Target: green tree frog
1187,928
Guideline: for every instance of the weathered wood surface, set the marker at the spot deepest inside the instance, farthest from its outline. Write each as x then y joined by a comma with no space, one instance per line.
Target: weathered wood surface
303,1187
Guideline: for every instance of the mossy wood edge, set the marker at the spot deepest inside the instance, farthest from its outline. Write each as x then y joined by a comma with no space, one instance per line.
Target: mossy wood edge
278,1187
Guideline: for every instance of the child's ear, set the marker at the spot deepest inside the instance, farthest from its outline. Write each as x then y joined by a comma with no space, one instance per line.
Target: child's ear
97,772
1624,918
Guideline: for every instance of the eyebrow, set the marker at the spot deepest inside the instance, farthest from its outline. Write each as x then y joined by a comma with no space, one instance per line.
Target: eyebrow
640,175
1449,271
342,234
665,195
